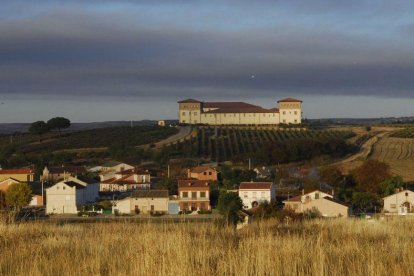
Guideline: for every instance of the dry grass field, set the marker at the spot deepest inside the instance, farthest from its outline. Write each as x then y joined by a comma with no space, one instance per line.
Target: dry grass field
398,153
318,247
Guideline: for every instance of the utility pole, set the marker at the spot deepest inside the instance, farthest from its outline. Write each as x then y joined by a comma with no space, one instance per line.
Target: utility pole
250,164
168,171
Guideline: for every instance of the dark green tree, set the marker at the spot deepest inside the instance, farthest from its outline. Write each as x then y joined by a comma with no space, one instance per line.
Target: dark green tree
365,202
230,205
58,123
389,186
39,128
18,195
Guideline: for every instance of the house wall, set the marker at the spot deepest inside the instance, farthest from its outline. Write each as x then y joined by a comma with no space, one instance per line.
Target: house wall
61,199
249,196
327,208
145,205
196,202
393,202
189,113
290,112
209,175
37,200
19,177
240,118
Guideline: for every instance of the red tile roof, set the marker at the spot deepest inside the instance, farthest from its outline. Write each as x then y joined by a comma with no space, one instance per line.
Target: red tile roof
257,109
289,100
255,185
185,183
17,171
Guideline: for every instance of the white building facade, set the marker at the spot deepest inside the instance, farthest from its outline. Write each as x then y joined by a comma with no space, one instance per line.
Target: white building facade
192,111
254,193
399,203
67,196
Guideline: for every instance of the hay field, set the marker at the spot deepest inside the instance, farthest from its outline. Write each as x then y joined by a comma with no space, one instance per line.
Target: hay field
398,153
318,247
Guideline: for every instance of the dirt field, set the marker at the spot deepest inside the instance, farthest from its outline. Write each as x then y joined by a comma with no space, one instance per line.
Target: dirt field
398,153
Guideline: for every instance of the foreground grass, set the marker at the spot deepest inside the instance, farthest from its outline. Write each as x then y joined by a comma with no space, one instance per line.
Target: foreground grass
319,247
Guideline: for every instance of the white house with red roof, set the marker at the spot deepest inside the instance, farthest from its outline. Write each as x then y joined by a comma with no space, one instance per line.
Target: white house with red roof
317,200
127,180
254,193
288,111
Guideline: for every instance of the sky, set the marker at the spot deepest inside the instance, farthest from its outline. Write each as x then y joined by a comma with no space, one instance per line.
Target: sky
102,60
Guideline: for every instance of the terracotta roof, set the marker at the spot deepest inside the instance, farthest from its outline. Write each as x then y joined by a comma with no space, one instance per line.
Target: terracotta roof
17,171
189,101
185,183
255,185
201,169
68,169
150,193
294,199
289,100
257,109
74,184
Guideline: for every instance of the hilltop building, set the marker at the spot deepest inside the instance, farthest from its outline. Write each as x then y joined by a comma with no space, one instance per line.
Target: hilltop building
289,111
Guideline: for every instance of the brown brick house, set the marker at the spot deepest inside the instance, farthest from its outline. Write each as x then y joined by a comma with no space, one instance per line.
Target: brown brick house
202,173
193,194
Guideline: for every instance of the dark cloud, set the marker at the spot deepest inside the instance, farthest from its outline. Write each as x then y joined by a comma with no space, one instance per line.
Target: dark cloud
81,53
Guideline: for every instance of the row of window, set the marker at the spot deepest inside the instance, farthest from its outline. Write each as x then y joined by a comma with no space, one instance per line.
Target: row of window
193,194
246,194
290,112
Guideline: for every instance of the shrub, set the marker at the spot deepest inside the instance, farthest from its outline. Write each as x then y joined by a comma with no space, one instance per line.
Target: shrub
204,212
157,213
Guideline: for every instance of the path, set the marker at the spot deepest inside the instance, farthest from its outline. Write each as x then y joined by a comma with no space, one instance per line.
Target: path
182,133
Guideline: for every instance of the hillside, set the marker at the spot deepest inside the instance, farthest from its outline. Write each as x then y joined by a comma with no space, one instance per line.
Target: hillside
26,149
263,145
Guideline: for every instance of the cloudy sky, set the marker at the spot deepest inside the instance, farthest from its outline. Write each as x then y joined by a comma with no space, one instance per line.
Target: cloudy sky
132,60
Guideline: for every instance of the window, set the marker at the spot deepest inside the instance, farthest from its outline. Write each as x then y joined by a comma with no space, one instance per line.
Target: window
284,112
245,195
185,206
183,113
205,173
194,195
317,196
284,121
263,194
64,188
203,194
210,173
296,121
185,194
296,113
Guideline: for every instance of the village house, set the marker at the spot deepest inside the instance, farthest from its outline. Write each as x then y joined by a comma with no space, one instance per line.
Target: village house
22,175
127,180
402,202
55,174
143,202
68,195
202,173
317,200
193,194
289,111
37,196
254,193
109,169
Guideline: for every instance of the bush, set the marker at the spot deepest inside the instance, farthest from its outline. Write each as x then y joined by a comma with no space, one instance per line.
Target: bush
157,213
204,212
185,212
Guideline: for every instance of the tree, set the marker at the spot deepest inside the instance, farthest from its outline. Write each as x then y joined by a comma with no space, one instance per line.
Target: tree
389,186
58,123
230,205
370,175
365,202
39,128
18,195
331,176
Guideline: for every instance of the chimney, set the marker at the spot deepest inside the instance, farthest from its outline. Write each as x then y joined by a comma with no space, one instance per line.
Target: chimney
303,191
333,192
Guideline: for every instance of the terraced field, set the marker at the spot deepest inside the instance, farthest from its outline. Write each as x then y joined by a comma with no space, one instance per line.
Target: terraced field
398,153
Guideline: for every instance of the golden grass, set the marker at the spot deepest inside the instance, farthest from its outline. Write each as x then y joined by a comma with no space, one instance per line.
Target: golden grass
320,247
